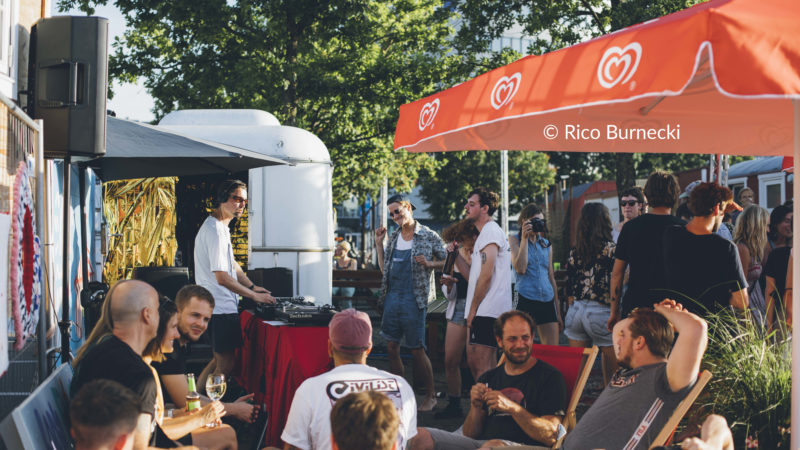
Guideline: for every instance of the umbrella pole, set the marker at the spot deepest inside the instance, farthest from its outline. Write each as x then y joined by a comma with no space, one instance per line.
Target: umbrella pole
504,189
794,298
64,324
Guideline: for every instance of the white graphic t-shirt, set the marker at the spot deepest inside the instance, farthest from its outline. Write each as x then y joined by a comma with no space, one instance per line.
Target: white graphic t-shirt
498,297
308,425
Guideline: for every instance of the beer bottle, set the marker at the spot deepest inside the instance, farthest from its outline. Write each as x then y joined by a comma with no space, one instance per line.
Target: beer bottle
192,398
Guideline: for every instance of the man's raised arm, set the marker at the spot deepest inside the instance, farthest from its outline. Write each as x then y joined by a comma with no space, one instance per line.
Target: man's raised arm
683,363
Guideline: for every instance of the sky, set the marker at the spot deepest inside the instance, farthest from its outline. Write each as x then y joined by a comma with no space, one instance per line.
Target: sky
131,101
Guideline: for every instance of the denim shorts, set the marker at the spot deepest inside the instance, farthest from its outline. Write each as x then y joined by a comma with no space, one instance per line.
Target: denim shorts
403,321
586,321
458,313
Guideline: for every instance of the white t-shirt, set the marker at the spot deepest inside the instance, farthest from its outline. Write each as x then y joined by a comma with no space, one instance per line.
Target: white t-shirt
213,252
498,297
308,425
403,244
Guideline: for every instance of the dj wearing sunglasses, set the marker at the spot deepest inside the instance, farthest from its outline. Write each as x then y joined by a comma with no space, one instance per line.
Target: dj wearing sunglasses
408,262
216,269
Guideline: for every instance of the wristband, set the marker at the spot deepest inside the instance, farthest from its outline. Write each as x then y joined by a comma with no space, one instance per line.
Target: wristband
252,286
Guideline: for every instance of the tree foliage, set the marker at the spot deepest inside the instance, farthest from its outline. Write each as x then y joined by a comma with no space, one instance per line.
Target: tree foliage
529,174
338,68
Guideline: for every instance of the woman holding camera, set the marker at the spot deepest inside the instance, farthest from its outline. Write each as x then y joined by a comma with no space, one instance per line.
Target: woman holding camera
532,258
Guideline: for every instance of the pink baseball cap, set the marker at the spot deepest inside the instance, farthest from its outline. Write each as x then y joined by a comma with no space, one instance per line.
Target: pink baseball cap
350,331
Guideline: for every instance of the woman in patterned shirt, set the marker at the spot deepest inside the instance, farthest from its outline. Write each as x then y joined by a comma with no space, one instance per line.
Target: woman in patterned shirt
589,269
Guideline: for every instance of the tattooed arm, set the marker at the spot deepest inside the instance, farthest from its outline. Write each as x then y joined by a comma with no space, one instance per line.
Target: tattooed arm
487,258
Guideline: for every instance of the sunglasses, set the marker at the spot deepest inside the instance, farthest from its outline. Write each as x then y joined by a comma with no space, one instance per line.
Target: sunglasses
238,199
628,202
396,212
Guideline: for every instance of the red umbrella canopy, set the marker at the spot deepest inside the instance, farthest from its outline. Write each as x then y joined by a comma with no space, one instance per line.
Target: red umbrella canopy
719,77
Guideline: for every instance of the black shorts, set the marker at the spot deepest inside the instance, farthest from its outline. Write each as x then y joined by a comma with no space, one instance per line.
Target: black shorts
542,312
482,331
226,332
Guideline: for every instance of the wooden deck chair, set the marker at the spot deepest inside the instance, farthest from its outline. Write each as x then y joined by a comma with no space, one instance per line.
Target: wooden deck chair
666,432
575,364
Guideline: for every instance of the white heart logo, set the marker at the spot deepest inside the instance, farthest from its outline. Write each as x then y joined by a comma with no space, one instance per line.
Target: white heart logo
505,89
628,57
428,113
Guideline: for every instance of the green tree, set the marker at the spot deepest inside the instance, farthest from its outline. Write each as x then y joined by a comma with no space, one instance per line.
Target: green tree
338,68
529,174
558,24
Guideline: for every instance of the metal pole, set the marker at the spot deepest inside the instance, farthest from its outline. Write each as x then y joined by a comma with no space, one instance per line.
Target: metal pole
382,210
726,165
41,229
504,175
64,324
84,244
795,296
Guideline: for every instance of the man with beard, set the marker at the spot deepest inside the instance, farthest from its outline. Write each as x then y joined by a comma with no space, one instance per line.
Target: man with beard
194,305
654,377
703,271
216,270
519,402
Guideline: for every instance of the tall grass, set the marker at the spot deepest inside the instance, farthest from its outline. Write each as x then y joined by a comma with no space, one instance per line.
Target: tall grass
752,380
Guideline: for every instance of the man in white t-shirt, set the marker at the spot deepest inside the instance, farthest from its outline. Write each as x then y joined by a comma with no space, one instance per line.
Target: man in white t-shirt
350,341
216,270
489,291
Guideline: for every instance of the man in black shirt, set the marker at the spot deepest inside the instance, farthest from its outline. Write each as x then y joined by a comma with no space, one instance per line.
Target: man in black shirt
134,312
640,246
195,305
519,402
703,270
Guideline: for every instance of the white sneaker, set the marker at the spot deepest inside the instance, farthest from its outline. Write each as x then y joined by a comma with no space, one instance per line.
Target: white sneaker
427,405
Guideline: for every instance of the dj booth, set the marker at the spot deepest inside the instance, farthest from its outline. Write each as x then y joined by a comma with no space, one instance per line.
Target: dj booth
275,359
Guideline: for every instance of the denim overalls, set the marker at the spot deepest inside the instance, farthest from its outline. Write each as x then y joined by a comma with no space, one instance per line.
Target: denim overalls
403,320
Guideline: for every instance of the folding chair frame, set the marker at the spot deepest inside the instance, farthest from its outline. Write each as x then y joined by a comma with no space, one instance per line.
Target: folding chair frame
666,432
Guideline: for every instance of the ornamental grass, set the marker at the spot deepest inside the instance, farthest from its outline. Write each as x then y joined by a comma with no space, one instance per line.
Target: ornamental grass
752,381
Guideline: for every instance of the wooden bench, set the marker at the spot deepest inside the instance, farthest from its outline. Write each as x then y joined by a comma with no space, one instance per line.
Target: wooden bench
364,279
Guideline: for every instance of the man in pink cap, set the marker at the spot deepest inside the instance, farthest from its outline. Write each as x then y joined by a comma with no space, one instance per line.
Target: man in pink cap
349,342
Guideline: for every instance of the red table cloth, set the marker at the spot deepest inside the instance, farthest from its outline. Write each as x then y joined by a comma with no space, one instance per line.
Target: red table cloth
274,360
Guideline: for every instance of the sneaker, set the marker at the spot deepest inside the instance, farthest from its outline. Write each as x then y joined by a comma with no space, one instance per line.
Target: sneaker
427,405
452,411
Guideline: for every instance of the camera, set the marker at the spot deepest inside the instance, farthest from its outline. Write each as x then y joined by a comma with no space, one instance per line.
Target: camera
538,225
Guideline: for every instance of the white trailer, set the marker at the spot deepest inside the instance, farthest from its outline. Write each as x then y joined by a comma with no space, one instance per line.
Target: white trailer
291,207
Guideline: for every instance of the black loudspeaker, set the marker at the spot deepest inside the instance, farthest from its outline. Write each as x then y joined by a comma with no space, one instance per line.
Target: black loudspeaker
277,280
167,280
68,80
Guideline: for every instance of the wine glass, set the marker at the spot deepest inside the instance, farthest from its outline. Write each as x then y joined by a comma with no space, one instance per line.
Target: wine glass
215,389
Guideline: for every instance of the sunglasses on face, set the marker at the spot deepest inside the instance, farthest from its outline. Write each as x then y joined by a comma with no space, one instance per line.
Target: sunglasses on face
628,202
396,212
238,199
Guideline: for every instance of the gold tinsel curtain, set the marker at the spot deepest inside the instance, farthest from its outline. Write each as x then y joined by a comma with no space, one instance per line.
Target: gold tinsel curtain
141,221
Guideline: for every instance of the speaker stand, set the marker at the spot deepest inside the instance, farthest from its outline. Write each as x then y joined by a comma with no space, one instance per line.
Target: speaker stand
65,324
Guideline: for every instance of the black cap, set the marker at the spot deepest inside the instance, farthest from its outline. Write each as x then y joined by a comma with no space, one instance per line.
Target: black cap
397,198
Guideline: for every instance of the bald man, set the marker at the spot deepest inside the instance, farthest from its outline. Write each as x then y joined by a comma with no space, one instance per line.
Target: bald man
118,357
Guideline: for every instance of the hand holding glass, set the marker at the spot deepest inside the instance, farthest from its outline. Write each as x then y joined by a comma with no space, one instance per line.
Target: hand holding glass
215,389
